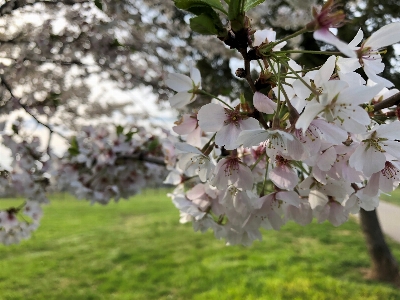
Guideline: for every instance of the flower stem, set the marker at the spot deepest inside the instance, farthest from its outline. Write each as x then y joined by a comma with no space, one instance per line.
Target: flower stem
300,78
201,92
309,52
272,45
257,161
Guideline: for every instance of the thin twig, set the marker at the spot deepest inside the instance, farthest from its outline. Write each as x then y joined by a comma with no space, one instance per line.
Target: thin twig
26,108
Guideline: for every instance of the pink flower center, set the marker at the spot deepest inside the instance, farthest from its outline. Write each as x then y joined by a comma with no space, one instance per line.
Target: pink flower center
231,165
329,17
280,161
233,117
389,171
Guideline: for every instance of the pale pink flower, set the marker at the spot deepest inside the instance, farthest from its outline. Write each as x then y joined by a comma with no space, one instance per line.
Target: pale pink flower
268,210
186,87
264,104
370,155
276,142
361,199
386,180
231,171
188,124
33,210
329,17
8,220
369,54
301,214
266,36
193,162
341,168
188,207
334,212
339,103
228,123
283,175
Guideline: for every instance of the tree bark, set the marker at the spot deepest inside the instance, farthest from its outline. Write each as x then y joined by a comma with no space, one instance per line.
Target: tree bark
384,266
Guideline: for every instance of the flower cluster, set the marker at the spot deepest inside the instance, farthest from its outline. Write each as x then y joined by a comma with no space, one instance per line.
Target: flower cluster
28,178
308,145
102,165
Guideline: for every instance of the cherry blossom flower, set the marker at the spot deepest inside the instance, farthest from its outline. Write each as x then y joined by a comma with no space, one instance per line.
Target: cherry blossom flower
187,206
375,146
231,171
339,103
228,123
276,142
269,209
283,175
369,54
329,17
386,180
186,87
264,104
192,161
361,199
301,214
188,124
266,36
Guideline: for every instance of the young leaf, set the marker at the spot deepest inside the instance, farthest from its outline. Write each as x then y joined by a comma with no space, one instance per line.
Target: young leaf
74,148
203,24
119,129
98,4
252,3
188,4
234,9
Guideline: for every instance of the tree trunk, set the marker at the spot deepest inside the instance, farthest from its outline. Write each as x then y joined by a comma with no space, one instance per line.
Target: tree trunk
384,265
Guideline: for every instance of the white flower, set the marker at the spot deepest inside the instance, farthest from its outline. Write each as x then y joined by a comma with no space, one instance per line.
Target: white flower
339,103
264,104
228,123
277,142
193,161
370,155
185,86
369,55
267,36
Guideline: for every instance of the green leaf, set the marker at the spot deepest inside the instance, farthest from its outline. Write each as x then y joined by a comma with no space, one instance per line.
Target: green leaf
203,24
119,129
153,145
15,128
234,9
242,99
190,4
129,136
74,148
98,4
252,3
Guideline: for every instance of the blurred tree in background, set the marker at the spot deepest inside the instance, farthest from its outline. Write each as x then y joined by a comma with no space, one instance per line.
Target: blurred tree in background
53,54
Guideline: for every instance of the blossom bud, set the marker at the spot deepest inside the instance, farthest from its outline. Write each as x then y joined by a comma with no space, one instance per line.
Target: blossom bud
327,17
241,73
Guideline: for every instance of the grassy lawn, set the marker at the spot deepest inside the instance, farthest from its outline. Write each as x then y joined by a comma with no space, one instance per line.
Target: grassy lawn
138,250
393,198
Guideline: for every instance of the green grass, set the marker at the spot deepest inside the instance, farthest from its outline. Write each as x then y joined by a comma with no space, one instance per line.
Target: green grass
137,250
393,198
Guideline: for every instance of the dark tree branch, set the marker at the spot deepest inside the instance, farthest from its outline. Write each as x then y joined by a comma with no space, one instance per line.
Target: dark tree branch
26,108
393,100
142,156
247,70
